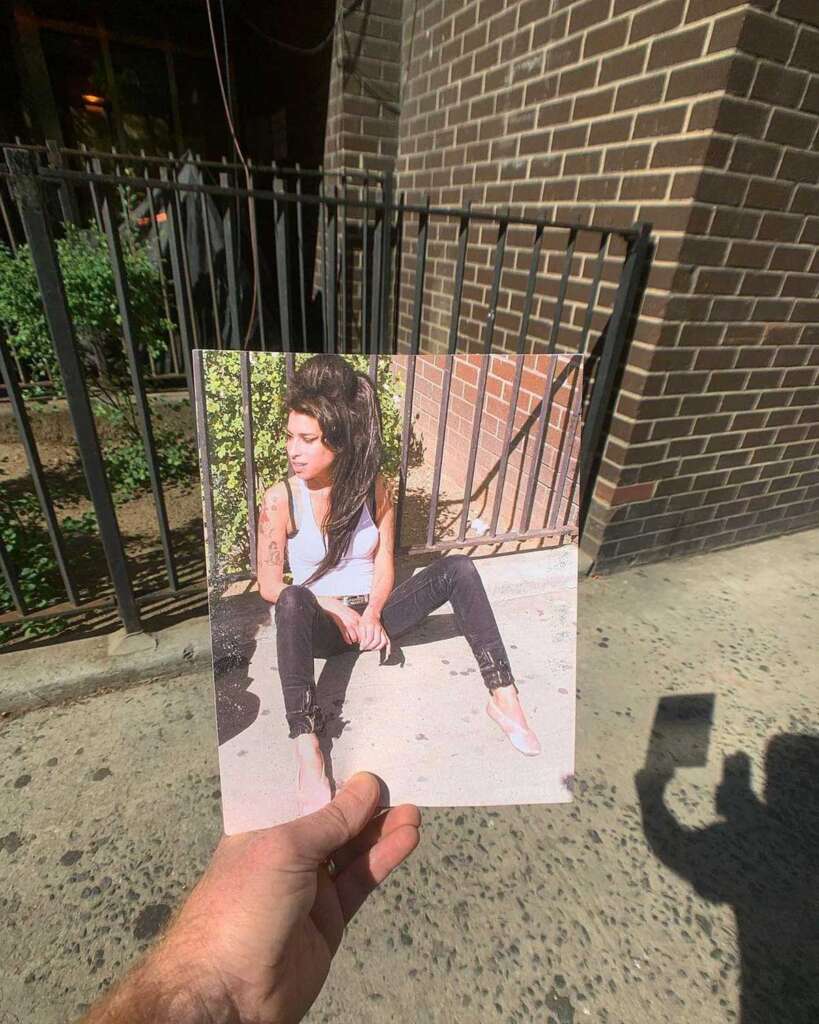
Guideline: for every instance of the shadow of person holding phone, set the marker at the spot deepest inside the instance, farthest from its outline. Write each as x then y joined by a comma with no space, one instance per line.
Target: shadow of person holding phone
762,859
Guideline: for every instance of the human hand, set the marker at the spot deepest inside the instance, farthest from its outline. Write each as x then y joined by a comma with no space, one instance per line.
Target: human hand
255,939
371,634
346,618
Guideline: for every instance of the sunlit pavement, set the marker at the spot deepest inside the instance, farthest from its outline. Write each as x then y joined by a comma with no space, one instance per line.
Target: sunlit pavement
110,808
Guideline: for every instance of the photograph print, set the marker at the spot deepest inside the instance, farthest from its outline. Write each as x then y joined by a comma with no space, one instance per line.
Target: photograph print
392,570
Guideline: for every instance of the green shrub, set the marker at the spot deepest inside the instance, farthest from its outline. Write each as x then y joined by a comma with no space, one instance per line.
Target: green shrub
23,530
92,303
226,437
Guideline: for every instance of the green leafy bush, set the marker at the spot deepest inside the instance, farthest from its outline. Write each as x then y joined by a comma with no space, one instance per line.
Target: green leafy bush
23,530
92,303
223,391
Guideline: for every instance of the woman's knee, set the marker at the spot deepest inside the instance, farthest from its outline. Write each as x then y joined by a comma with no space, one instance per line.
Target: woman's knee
294,600
461,566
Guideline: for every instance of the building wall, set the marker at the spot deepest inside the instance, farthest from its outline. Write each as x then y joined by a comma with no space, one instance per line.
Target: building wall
702,117
362,131
365,89
716,440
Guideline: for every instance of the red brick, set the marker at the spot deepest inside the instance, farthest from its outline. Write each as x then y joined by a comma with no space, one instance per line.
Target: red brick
753,157
634,492
768,195
612,129
799,10
791,129
778,85
577,79
609,36
726,31
810,101
644,186
780,227
749,254
799,166
594,104
584,15
666,121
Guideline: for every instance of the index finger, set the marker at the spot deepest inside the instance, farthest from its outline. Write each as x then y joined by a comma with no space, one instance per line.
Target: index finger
355,883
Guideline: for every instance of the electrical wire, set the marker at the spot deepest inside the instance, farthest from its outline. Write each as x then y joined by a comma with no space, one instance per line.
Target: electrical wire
232,128
346,63
307,51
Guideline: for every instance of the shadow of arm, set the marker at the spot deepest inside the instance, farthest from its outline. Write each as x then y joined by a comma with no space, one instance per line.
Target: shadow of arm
693,854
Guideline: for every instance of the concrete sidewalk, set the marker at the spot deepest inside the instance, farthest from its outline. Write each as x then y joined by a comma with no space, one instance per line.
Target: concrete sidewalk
53,673
566,913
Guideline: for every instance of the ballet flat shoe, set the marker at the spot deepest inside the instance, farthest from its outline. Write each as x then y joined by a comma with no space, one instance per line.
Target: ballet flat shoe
313,797
523,740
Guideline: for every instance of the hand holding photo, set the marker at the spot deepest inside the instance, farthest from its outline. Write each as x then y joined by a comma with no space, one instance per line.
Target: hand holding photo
448,674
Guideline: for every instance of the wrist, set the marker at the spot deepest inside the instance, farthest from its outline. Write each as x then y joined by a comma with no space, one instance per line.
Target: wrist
166,989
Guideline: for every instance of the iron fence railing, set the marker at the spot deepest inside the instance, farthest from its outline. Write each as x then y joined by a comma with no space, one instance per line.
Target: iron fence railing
306,261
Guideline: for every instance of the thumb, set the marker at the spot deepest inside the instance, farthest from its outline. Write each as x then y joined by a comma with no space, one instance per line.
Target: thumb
320,834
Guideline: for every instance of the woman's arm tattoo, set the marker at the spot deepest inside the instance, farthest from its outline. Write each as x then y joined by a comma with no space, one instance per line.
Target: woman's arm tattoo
273,554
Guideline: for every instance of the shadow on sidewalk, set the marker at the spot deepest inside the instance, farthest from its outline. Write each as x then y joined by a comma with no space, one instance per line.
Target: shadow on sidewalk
762,859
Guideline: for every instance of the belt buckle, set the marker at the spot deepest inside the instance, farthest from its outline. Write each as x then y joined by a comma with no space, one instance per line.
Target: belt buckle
351,599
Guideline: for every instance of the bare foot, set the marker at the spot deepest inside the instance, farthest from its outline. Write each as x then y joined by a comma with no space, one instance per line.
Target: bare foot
313,787
504,709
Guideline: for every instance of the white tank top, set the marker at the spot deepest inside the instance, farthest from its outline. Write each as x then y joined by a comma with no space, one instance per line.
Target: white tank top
307,547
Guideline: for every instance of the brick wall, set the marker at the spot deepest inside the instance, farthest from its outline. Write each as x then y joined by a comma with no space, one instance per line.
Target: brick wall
715,440
702,117
365,91
428,389
362,127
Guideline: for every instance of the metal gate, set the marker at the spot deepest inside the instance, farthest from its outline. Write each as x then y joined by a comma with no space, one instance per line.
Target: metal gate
389,275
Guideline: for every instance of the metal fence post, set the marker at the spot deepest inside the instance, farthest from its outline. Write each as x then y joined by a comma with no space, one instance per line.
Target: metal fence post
68,201
182,310
35,468
612,351
132,353
44,257
384,277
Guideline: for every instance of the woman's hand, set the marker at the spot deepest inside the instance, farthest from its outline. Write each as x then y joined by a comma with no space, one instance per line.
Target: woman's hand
346,618
371,634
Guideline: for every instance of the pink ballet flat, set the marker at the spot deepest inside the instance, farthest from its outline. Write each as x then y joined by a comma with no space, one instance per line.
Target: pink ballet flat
521,739
313,795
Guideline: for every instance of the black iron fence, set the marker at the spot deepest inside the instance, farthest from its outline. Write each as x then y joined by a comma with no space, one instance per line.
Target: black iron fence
282,259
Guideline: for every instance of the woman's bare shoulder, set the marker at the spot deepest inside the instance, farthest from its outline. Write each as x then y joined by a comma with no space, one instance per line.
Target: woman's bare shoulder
275,498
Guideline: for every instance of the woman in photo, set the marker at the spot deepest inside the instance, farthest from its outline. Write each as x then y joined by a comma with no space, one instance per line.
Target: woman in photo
333,521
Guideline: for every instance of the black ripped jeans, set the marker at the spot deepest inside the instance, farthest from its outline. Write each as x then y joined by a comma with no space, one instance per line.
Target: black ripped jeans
305,631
